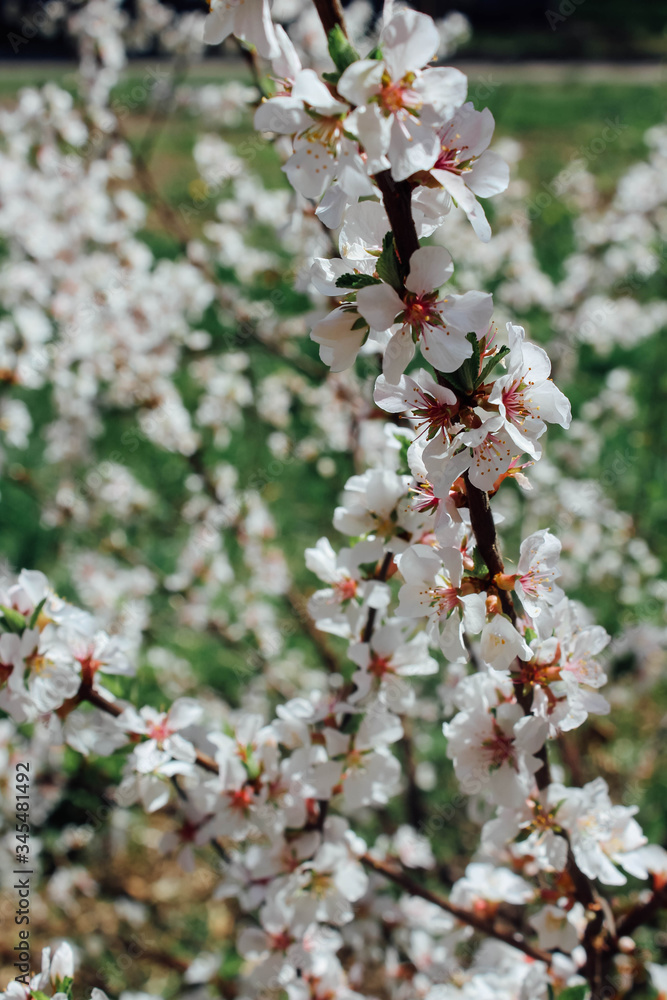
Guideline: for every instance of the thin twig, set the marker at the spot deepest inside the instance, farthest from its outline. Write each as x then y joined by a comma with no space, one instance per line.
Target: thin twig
401,878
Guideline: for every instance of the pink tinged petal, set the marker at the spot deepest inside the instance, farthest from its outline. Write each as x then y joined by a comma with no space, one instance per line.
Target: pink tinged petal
379,305
283,115
408,42
398,354
311,90
360,81
489,175
470,312
430,268
443,90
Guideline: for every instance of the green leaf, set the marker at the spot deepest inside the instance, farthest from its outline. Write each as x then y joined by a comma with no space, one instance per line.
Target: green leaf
359,324
14,620
35,615
491,364
340,50
38,995
375,53
470,367
388,266
356,281
455,382
574,992
331,78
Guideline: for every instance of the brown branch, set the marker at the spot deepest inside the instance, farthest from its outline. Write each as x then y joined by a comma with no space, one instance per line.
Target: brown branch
87,693
488,927
397,198
331,15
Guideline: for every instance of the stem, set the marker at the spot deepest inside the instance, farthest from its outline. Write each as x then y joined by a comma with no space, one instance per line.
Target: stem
331,15
400,877
397,198
86,693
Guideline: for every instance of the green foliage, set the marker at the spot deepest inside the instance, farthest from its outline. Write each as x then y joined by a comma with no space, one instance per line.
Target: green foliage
340,50
388,266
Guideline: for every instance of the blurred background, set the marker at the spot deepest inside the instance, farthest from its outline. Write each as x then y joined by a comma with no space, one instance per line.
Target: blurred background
501,31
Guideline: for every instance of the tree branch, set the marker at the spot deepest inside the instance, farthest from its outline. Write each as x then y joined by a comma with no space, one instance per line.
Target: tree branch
401,878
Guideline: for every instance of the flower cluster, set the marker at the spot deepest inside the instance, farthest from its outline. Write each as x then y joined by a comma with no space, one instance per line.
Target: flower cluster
475,660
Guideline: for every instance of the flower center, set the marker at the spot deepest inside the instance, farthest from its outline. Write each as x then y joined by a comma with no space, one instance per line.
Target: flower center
418,311
158,731
346,589
445,599
395,98
379,665
515,403
328,131
499,748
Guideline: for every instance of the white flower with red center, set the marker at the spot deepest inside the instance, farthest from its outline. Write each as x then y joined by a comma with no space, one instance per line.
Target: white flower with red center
494,752
53,675
484,887
579,645
370,504
323,890
526,397
322,153
601,834
163,754
388,657
559,929
338,608
432,407
434,589
399,105
536,573
440,325
466,168
249,20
